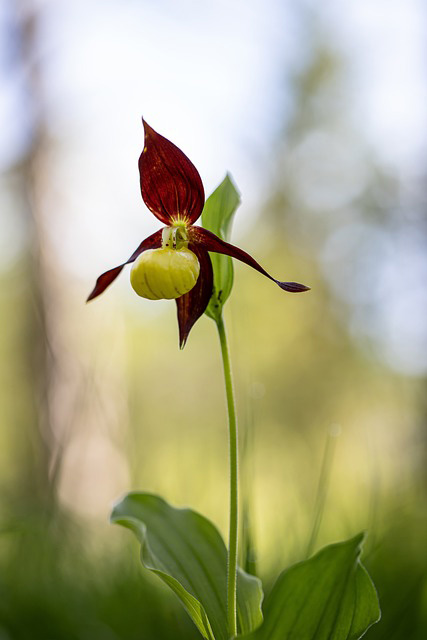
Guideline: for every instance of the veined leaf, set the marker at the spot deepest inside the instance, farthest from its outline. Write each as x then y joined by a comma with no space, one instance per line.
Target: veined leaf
328,597
187,552
217,216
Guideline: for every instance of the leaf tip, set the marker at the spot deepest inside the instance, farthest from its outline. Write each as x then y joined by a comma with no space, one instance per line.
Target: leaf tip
229,179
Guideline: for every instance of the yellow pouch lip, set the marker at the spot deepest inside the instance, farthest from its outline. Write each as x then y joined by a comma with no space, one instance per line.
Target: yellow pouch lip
165,274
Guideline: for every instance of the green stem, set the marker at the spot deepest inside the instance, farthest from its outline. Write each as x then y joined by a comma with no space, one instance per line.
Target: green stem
232,539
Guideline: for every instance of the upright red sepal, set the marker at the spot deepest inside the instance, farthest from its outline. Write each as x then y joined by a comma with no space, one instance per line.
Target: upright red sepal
171,186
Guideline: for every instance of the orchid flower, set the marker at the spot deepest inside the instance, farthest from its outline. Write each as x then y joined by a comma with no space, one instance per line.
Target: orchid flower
174,262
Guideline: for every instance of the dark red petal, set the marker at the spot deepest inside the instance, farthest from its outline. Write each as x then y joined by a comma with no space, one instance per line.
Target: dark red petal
171,186
193,304
152,242
211,242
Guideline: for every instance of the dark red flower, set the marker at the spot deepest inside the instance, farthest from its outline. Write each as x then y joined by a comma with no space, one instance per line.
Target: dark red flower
172,189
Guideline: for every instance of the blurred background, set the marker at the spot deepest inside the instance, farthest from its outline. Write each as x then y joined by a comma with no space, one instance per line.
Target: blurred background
318,110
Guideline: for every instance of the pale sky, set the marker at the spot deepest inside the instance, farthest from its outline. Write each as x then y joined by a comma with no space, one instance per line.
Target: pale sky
211,76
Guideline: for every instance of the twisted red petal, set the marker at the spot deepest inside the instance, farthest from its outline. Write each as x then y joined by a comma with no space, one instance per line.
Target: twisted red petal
171,186
152,242
211,242
193,304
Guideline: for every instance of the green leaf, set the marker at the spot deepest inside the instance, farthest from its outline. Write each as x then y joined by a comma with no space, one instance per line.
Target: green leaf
187,552
217,216
328,597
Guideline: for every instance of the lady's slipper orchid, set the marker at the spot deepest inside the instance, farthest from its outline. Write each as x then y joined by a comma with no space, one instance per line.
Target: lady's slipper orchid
174,262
